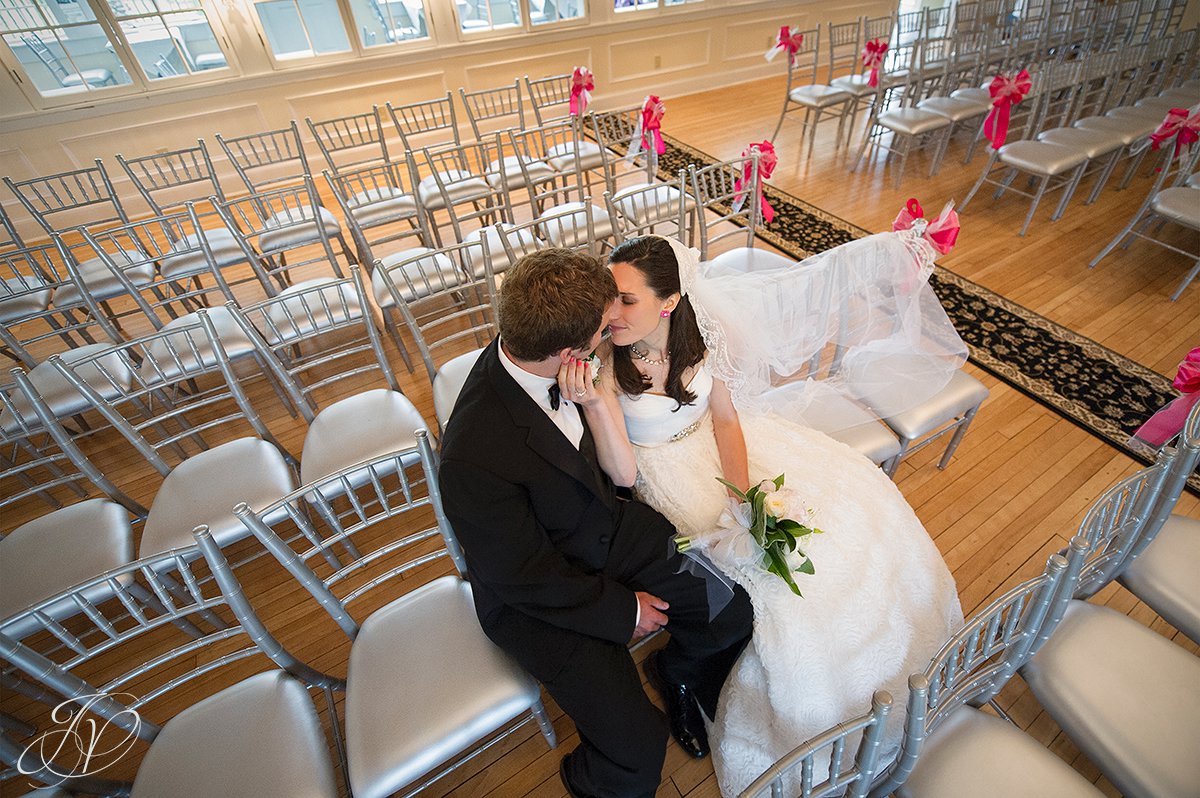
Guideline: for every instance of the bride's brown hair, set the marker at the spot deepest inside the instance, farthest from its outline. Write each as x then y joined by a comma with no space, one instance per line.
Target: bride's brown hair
654,258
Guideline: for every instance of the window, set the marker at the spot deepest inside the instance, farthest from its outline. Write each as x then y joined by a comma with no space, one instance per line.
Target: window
302,28
483,15
381,22
60,46
67,47
638,5
544,11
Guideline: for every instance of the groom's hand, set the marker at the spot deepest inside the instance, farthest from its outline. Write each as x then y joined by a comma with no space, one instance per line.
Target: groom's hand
651,617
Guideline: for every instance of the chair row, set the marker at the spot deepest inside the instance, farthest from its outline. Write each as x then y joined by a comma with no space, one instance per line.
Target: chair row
1123,693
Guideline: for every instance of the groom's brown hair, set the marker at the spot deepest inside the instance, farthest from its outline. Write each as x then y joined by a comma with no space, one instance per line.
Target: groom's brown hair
551,300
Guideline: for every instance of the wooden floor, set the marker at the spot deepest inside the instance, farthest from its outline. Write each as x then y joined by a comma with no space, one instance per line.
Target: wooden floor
1022,478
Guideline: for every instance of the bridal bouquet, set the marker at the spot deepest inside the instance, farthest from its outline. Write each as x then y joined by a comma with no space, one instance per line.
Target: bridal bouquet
763,513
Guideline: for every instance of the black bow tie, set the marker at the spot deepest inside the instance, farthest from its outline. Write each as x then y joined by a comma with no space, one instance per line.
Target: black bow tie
555,396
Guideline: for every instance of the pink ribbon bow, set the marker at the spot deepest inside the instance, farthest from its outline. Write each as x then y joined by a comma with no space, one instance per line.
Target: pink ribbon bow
787,41
942,232
872,59
1179,125
581,86
767,160
652,114
1166,423
1006,92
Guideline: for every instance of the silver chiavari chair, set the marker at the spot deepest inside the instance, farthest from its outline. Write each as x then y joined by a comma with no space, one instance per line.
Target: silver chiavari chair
728,196
405,725
351,142
804,94
380,205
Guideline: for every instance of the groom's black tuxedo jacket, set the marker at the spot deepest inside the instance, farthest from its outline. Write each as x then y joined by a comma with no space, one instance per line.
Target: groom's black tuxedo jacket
536,518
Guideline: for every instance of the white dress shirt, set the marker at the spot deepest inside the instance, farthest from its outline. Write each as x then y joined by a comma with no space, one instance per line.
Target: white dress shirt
566,417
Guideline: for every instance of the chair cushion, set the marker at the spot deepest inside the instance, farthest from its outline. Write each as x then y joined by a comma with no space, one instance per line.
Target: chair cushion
449,382
976,95
496,251
1164,575
976,754
293,317
459,185
748,259
912,121
261,737
560,159
92,77
60,397
849,422
295,228
356,429
1095,142
48,555
1181,205
1193,180
1130,129
1040,157
416,279
21,297
100,281
658,203
962,393
221,242
378,206
953,108
192,353
204,489
568,227
513,177
403,715
1126,696
818,95
854,84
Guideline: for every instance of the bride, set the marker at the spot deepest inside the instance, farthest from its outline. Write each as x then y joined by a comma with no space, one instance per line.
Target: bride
696,357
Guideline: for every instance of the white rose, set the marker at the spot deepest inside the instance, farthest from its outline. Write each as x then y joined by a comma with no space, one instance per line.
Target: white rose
767,486
776,504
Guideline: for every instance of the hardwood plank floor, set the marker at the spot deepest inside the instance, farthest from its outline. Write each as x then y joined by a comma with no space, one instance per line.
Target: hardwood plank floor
1021,480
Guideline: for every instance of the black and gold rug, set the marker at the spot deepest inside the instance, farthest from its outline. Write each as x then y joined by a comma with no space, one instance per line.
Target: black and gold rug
1103,392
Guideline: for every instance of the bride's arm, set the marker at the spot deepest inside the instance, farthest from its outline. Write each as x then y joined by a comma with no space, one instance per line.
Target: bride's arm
731,444
604,418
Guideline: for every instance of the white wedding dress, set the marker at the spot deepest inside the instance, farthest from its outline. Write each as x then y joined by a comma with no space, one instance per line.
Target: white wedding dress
878,607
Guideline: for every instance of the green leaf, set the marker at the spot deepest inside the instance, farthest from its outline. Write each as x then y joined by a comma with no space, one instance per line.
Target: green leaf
736,492
789,525
807,567
778,481
780,567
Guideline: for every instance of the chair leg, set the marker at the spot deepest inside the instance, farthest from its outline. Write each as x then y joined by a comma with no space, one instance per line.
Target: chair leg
1105,174
1191,275
979,183
1068,192
958,436
543,720
1037,198
1115,242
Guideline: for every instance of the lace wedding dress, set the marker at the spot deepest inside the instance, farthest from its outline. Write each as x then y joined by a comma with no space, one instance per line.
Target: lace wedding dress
879,605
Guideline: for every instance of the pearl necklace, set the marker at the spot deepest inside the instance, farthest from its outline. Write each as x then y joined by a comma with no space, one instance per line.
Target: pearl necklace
645,357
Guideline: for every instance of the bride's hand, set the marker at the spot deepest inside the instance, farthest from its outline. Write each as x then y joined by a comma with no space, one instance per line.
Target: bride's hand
575,382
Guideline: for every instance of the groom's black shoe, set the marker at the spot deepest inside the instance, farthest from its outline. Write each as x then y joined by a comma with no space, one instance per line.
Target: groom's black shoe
687,723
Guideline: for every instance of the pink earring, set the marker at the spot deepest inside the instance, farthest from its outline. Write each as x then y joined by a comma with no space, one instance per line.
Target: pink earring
664,313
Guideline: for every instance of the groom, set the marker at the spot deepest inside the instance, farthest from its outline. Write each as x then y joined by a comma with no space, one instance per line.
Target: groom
566,572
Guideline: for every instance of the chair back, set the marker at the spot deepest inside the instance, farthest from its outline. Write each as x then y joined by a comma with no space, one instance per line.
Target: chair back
284,231
40,458
655,208
728,195
358,137
43,307
803,64
826,753
155,629
170,391
937,22
494,110
307,532
1183,463
48,59
556,144
381,206
167,180
320,332
614,131
427,123
172,250
548,93
979,659
471,183
845,43
86,194
11,239
267,159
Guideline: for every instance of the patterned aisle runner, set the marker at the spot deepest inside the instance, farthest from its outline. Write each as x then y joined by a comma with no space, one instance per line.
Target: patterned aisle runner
1104,392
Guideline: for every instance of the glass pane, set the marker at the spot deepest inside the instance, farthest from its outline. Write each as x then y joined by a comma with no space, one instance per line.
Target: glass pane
195,41
678,2
543,11
131,8
178,5
153,48
476,15
66,13
82,60
634,5
302,28
385,21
